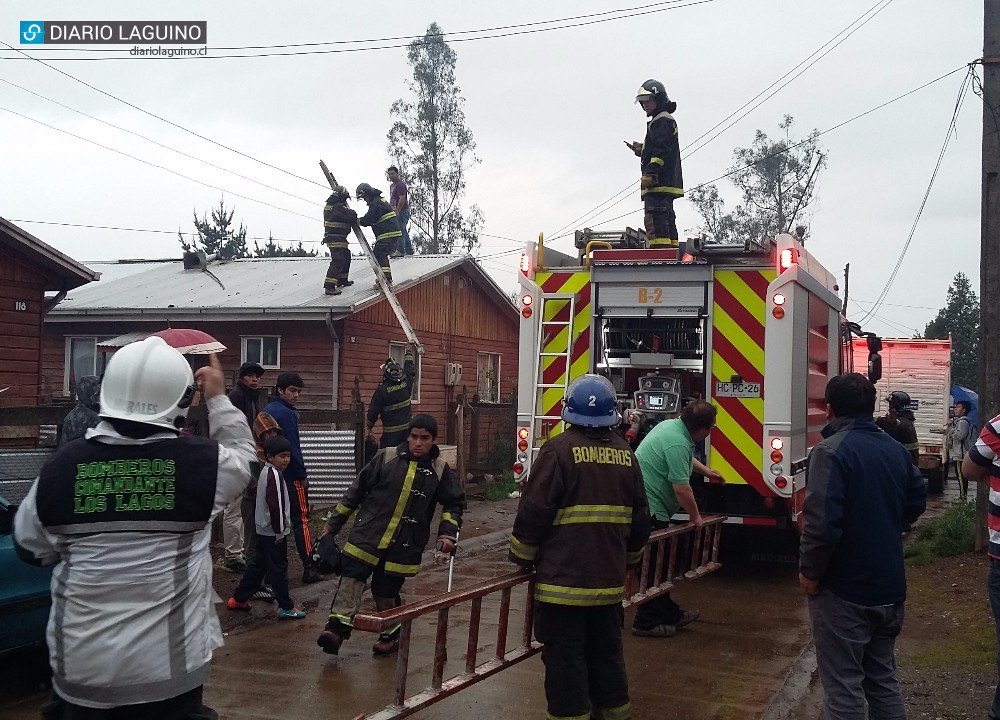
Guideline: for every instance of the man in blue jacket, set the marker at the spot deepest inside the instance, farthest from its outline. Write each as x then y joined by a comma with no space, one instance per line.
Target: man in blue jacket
861,488
282,408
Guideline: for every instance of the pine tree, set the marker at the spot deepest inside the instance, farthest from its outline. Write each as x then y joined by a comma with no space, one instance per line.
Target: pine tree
217,237
960,318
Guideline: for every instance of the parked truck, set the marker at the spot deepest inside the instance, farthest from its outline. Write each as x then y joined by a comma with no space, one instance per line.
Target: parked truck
922,369
754,328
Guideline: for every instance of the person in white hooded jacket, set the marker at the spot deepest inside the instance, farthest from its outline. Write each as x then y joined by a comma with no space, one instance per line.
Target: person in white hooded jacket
125,516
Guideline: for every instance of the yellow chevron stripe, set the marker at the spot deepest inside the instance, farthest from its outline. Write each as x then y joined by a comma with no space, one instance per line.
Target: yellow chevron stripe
739,437
740,340
717,461
742,292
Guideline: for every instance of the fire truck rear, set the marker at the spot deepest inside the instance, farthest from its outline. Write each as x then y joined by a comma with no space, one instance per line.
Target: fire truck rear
753,328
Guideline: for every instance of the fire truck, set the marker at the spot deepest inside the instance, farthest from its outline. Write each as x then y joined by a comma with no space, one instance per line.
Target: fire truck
754,328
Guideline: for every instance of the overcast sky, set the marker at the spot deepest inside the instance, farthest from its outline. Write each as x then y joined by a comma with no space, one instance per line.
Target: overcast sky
548,111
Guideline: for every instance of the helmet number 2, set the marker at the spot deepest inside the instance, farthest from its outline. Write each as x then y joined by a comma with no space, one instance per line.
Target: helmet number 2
592,402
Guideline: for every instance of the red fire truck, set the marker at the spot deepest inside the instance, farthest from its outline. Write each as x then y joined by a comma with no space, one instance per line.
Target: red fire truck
754,328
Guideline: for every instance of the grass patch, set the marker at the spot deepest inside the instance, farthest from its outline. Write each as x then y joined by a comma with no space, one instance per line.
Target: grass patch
500,489
975,648
951,534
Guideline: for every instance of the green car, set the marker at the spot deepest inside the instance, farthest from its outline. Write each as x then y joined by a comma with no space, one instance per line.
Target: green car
24,591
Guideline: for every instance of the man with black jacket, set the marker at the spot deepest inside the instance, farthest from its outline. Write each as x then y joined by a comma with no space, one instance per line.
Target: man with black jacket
395,497
391,401
382,220
338,221
861,489
583,519
662,180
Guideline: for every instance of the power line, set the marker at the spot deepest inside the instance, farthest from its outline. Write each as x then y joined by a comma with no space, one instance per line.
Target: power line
592,213
152,164
795,145
162,119
622,14
154,142
861,19
966,83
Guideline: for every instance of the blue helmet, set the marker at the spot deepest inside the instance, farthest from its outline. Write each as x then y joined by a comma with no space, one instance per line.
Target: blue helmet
590,402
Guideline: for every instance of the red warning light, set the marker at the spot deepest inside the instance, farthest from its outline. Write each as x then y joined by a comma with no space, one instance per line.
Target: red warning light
523,433
787,258
525,265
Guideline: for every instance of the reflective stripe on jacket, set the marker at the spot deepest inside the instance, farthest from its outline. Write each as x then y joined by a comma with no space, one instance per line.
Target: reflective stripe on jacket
661,156
395,497
338,220
382,220
583,518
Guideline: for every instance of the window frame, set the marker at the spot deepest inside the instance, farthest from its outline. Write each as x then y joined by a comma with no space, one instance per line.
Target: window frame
261,338
396,352
479,380
68,390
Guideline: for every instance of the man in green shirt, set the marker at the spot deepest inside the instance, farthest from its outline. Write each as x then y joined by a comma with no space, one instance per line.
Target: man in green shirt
666,457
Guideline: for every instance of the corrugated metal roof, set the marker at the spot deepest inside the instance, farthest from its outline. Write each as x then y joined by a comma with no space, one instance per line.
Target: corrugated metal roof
242,287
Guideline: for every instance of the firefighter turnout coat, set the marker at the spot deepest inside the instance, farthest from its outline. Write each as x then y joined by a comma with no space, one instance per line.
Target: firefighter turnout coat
395,497
583,518
382,220
391,402
661,157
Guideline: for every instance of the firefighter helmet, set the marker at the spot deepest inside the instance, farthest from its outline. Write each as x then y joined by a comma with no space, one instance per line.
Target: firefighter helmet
365,191
899,400
590,402
341,193
652,90
392,370
147,382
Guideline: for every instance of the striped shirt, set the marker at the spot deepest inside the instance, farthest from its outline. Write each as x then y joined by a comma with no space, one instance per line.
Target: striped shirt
985,452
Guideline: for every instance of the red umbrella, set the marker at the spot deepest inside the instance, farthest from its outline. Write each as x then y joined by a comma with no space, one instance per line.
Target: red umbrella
190,342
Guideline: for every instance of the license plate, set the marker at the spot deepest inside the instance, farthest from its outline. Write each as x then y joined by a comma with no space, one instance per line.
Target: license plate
741,390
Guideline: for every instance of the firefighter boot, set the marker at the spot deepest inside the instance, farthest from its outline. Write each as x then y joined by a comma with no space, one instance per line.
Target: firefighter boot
345,605
388,639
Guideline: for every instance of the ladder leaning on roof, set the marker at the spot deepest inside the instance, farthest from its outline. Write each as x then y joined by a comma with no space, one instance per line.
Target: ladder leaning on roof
390,296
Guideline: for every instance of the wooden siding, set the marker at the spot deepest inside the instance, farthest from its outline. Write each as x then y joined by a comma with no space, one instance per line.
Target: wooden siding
447,304
306,348
22,303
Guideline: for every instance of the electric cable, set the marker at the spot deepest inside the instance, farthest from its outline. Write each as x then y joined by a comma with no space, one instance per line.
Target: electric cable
152,164
963,90
158,144
530,31
162,119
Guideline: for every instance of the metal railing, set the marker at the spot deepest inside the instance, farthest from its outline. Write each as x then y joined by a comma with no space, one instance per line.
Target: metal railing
669,544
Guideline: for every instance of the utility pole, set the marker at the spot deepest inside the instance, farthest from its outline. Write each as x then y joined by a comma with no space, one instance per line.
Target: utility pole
989,256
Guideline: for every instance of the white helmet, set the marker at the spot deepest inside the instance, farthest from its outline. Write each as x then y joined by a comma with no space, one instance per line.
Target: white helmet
147,382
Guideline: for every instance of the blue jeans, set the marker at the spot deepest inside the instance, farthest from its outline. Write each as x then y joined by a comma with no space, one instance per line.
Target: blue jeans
854,654
993,585
404,245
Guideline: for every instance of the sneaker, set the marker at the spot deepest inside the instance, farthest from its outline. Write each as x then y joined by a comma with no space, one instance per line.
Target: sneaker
386,645
687,618
234,604
330,641
332,291
310,576
263,594
290,614
658,631
233,564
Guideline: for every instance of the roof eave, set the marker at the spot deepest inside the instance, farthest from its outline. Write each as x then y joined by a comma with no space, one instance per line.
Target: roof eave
68,315
73,273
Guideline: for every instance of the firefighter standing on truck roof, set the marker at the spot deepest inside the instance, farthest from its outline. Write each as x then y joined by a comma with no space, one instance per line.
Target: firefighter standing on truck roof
338,220
582,520
382,220
898,423
662,182
391,400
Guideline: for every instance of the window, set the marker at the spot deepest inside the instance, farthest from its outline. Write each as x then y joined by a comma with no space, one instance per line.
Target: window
396,351
488,377
265,350
83,358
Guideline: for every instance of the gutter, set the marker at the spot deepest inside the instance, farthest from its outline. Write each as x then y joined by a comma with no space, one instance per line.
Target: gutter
335,339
